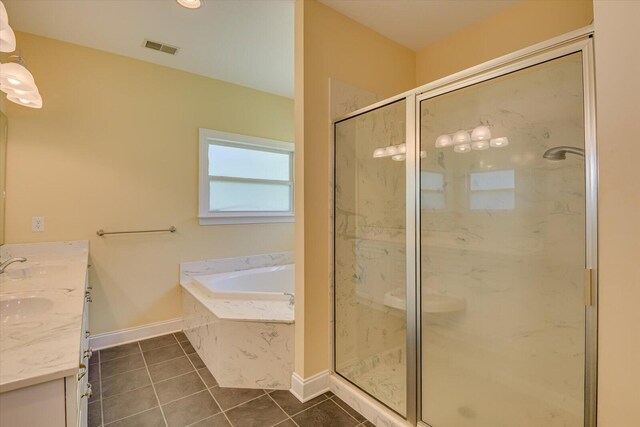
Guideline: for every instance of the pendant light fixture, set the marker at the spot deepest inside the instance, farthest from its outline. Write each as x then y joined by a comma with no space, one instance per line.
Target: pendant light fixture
7,37
18,83
15,80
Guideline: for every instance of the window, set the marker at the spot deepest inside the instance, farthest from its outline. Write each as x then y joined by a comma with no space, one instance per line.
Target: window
492,190
244,179
432,191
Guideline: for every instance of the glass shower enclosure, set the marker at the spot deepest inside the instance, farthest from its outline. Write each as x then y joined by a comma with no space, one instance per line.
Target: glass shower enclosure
465,245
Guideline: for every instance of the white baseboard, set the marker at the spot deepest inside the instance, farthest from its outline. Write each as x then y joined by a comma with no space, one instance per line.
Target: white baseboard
306,389
124,336
370,408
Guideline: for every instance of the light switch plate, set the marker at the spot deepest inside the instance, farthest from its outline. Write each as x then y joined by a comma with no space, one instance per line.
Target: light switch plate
37,224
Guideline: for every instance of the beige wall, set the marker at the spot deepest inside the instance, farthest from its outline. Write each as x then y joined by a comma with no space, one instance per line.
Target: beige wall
115,147
334,46
525,24
617,72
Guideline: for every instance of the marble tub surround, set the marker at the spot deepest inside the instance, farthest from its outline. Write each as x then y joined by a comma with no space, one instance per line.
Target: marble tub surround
240,352
43,346
224,265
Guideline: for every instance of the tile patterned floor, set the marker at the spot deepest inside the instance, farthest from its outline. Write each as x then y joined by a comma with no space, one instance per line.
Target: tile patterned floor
163,382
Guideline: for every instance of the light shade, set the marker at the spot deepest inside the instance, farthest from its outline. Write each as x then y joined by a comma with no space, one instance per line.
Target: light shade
481,133
16,76
32,95
190,4
399,157
461,137
479,145
443,141
499,142
4,18
7,39
462,148
378,152
35,103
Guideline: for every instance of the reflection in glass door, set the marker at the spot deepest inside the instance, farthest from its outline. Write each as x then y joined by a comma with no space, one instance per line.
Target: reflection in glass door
502,196
370,253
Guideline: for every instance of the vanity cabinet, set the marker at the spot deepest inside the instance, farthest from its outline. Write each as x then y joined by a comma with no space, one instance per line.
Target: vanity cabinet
60,402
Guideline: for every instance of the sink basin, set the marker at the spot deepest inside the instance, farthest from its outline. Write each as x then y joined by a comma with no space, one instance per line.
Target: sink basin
17,309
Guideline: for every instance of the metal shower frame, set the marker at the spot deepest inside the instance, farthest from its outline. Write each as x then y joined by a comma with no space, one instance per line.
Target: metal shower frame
577,41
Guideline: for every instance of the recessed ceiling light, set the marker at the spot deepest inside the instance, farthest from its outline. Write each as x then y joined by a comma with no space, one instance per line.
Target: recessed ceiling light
190,4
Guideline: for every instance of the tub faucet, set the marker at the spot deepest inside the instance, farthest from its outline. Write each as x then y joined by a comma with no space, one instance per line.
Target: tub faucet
292,298
10,261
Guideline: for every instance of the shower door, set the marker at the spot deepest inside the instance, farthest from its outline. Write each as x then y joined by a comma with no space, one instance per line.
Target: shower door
370,253
502,249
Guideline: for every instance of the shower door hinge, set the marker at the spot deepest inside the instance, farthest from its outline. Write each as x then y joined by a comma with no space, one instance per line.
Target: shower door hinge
588,287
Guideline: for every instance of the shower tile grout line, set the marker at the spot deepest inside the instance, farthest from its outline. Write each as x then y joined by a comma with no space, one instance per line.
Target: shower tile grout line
152,385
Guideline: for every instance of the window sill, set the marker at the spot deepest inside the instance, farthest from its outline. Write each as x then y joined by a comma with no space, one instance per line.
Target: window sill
257,219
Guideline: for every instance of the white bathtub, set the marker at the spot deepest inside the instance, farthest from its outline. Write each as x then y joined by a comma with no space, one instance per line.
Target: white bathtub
266,283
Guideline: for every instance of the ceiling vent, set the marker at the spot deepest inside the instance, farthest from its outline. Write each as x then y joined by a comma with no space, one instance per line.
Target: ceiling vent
171,50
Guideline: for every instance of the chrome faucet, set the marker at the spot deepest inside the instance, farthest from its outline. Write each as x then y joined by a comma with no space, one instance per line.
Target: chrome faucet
292,298
10,261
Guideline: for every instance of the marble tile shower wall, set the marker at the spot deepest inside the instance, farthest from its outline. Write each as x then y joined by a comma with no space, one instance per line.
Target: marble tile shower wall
370,237
520,269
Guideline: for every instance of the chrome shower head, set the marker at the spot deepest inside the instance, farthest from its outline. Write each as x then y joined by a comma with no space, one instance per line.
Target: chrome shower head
560,153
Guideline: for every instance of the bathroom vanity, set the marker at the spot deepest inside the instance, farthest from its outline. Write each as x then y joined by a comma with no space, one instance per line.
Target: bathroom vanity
44,333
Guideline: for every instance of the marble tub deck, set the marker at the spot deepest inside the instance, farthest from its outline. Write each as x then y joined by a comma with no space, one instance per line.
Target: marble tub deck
162,382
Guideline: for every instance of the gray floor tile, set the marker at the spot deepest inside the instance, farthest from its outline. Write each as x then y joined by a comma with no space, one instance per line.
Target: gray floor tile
190,409
172,368
119,351
197,362
355,414
123,364
95,358
187,347
291,404
150,418
368,424
129,403
260,412
163,354
180,336
157,342
230,397
287,423
94,414
329,394
326,414
179,387
216,421
207,377
125,382
94,373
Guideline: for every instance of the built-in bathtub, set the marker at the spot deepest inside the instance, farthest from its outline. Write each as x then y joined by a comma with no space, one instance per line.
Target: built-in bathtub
265,283
238,315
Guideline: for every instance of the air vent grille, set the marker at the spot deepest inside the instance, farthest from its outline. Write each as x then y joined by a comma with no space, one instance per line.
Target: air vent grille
171,50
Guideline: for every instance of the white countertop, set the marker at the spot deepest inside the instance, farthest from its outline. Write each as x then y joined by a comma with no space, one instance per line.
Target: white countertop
46,346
